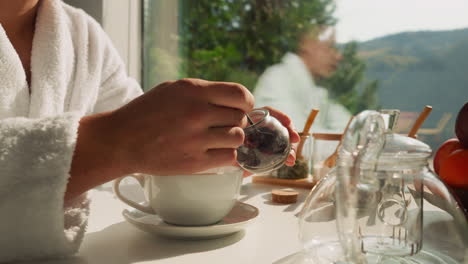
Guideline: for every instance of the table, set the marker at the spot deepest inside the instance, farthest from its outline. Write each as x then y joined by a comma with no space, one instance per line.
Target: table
272,238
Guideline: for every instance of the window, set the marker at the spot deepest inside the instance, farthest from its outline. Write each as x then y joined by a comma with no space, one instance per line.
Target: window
395,54
416,52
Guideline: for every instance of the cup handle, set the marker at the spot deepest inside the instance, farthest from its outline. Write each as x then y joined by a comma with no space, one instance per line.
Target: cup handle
140,179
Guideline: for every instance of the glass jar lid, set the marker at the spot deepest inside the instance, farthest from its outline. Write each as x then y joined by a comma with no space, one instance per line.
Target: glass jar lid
373,133
402,152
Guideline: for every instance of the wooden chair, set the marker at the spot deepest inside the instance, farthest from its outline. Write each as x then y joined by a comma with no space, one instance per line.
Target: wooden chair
439,128
405,122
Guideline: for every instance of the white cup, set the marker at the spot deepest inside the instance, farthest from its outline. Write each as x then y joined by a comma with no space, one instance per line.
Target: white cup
190,200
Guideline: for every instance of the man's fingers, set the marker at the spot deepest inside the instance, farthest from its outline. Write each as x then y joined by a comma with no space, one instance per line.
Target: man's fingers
230,95
292,155
293,135
219,116
282,117
247,174
223,137
220,157
286,121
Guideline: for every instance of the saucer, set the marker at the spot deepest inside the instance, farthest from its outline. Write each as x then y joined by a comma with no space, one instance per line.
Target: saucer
241,215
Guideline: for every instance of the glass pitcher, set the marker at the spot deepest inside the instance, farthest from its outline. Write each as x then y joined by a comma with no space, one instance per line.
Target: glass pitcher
381,203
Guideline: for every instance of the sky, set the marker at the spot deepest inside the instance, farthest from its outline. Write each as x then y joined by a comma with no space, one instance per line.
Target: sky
367,19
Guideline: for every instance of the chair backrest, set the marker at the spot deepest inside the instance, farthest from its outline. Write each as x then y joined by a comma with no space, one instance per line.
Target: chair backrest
405,121
443,121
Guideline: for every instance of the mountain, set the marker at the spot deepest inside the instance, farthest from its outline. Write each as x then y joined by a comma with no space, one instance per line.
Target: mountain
421,68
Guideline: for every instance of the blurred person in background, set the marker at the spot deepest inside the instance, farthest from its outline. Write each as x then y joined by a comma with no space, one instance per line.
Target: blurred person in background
291,84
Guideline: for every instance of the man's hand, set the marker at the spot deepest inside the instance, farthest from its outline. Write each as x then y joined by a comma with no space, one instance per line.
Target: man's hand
178,127
294,137
184,126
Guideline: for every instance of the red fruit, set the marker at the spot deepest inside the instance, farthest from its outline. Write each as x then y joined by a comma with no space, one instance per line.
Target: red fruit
454,170
444,151
461,126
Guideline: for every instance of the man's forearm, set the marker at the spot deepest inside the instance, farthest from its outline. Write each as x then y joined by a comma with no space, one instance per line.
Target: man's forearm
95,160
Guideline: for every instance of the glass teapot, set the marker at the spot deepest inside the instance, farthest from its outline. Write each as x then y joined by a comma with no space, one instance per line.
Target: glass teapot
381,203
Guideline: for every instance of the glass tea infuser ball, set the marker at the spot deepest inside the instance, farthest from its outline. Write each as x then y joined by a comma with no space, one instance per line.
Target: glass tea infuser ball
381,203
266,145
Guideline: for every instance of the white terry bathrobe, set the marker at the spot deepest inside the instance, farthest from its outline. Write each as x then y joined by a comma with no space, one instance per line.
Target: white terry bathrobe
75,72
289,87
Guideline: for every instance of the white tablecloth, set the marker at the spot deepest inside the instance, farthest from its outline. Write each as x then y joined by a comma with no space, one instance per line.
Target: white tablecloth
110,239
272,238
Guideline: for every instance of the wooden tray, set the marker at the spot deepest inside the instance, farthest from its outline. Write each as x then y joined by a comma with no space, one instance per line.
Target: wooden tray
306,183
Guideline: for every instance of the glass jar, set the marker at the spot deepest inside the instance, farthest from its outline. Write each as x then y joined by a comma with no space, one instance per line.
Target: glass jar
382,203
266,145
324,146
302,166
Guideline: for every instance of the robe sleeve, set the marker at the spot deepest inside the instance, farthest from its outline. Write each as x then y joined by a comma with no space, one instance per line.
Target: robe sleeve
35,160
116,87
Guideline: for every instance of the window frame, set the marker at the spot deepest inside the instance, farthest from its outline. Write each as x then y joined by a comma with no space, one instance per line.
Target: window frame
122,21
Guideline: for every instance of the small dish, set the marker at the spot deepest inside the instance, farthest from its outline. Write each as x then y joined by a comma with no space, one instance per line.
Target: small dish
241,215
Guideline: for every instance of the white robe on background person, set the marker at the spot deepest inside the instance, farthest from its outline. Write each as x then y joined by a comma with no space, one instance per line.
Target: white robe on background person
75,72
289,87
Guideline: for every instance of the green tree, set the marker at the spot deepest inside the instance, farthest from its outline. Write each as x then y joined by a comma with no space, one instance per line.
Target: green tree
236,40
